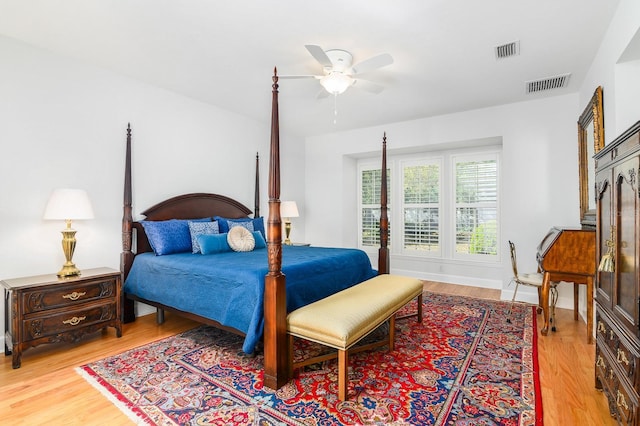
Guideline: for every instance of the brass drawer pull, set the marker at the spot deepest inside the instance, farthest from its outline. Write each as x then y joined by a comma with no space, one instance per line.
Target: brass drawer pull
74,296
601,327
74,320
621,401
622,357
600,361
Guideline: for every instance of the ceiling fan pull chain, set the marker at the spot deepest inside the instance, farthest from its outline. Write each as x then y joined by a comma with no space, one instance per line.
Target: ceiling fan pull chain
335,108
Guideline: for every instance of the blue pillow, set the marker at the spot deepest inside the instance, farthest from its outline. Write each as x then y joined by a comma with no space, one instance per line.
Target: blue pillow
213,243
201,228
246,225
260,242
169,236
258,223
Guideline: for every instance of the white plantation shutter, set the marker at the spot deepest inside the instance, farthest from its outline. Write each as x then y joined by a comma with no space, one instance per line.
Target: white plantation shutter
476,206
421,207
370,206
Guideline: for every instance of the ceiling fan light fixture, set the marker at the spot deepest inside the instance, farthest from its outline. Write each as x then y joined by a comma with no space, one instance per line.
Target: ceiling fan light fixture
336,82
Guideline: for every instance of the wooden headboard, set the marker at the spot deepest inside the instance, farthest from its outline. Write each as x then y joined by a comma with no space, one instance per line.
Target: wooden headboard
188,206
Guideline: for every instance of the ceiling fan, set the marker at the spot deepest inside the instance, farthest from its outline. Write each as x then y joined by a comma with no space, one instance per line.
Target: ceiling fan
339,73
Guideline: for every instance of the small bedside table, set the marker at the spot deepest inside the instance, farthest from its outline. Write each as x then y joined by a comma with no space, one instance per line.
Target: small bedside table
48,309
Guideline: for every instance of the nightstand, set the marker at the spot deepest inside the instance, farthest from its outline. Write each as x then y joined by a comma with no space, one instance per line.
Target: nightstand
47,309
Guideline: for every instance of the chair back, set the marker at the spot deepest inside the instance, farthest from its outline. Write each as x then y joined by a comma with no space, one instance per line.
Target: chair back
514,262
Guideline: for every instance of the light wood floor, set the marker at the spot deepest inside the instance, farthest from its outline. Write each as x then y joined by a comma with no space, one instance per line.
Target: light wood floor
47,390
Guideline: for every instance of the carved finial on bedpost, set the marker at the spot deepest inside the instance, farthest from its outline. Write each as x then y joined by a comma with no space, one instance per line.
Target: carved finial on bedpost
383,252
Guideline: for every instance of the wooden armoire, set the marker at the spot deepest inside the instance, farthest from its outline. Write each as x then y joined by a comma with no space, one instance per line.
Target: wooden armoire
617,289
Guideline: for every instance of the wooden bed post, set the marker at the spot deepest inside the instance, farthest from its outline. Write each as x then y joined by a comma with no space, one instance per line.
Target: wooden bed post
276,355
383,252
126,257
256,201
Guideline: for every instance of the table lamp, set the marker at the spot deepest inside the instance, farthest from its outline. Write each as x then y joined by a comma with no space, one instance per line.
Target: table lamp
68,204
288,209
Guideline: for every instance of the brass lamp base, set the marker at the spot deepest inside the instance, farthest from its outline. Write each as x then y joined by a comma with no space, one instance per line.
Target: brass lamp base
287,231
68,247
68,270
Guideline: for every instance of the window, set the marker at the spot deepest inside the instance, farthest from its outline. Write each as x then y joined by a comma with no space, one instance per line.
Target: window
448,205
421,206
370,206
476,205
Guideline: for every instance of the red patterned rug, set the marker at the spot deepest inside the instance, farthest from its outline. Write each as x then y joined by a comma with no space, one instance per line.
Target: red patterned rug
464,365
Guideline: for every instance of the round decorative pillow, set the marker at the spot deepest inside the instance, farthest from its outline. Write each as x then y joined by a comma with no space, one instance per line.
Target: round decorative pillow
240,239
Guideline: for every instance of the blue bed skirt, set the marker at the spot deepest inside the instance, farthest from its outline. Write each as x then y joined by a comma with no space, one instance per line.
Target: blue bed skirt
229,287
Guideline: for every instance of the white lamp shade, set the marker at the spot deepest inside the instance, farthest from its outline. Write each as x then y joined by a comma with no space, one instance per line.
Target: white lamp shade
68,204
288,209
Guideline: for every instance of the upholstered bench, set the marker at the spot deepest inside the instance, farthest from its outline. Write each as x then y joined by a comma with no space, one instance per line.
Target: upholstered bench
343,319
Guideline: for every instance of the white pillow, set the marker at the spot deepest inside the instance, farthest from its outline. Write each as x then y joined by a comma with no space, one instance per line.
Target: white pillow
240,239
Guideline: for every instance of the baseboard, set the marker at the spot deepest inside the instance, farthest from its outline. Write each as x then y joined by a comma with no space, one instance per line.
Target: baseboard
452,279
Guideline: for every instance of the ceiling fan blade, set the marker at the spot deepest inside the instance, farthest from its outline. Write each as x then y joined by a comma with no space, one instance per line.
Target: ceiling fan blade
317,77
373,63
368,86
318,53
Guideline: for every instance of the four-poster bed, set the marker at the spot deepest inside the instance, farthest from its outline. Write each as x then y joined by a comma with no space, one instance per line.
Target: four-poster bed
276,295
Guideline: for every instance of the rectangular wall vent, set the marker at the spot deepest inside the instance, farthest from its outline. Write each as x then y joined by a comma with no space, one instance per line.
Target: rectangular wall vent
508,50
547,83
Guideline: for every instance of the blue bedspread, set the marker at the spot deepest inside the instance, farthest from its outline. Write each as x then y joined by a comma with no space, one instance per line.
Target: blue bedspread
229,287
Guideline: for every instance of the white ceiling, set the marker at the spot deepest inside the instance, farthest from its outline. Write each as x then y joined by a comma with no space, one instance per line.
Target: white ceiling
224,52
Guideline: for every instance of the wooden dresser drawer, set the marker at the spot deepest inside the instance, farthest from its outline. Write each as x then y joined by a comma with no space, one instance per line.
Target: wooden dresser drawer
63,322
604,330
51,298
626,402
604,371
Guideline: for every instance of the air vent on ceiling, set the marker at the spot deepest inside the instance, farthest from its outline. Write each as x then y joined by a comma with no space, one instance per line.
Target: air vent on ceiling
508,50
547,83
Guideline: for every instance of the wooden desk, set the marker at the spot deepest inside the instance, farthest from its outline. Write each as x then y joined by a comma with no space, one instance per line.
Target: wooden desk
567,254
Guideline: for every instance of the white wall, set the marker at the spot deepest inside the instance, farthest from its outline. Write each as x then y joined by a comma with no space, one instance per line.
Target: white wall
539,180
63,124
616,68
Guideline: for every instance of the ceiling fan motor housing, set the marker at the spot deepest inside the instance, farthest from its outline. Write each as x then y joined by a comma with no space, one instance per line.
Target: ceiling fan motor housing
341,60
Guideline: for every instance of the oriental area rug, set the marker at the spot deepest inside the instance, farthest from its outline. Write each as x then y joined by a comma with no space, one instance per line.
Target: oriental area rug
464,365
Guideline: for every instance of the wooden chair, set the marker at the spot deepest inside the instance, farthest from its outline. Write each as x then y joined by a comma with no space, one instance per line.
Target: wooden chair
534,280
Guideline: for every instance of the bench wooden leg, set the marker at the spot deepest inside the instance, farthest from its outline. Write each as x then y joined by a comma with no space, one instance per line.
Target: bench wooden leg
576,291
290,348
392,333
420,307
343,374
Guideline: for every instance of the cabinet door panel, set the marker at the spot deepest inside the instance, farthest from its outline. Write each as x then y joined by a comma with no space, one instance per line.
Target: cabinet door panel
625,208
604,280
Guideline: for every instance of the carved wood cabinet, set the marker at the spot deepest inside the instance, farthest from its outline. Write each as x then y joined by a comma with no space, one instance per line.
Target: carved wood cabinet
47,309
617,293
